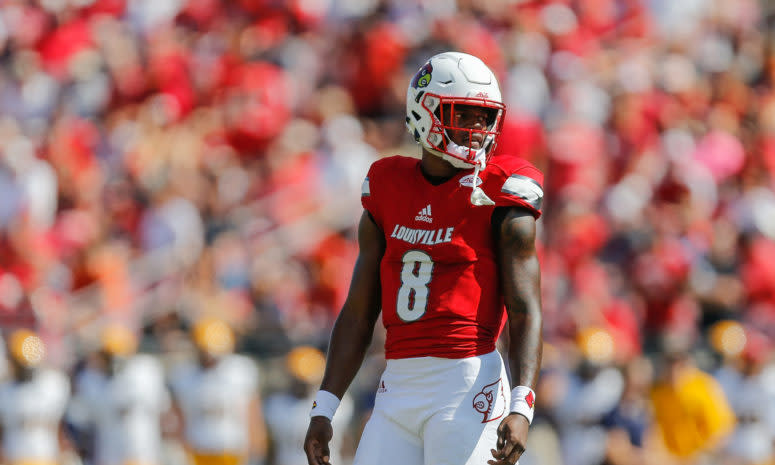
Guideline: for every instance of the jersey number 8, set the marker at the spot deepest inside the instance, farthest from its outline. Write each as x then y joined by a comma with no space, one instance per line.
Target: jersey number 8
416,274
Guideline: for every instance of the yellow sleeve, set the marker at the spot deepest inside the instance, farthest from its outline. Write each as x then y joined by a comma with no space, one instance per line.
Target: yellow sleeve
677,430
716,418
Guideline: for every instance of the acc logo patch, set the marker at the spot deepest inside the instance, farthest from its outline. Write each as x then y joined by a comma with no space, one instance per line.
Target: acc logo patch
468,181
423,77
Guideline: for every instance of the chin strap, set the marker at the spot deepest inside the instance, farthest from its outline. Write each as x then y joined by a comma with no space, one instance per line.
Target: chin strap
478,197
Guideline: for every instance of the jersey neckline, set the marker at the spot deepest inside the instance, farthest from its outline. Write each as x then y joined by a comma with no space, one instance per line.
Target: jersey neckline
434,183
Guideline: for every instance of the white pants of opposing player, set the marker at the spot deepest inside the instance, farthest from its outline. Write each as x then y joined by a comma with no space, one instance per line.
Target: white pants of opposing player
436,411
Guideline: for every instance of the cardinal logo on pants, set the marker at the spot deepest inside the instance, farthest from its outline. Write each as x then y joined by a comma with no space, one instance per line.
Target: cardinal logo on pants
490,401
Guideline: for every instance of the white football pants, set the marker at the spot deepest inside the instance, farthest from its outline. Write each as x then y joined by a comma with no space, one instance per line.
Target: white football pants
436,411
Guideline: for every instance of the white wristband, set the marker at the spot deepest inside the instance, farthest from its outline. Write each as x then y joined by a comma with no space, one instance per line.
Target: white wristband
523,401
325,405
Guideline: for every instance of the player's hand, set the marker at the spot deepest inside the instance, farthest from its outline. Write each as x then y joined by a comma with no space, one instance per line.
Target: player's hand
512,439
319,434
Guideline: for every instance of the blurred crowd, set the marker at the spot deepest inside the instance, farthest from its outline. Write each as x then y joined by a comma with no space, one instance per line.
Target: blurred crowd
179,186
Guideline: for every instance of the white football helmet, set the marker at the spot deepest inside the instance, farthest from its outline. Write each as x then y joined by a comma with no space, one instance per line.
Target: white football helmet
446,80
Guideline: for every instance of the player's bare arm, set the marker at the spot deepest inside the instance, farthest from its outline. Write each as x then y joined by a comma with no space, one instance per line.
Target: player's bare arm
515,230
351,335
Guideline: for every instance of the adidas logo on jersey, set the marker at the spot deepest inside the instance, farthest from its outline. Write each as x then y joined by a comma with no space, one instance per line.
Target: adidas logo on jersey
424,215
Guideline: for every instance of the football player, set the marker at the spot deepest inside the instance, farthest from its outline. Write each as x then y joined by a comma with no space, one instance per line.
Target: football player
447,253
32,404
218,400
122,399
286,412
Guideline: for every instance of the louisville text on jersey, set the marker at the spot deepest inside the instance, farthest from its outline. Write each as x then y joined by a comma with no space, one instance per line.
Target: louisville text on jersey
422,236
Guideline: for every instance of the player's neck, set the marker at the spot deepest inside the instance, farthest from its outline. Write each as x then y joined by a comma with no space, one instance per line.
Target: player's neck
436,169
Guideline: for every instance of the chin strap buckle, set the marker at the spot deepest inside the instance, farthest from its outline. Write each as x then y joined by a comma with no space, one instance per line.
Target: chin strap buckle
478,197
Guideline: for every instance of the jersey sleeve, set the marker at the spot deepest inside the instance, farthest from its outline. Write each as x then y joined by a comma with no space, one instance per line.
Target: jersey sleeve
370,192
520,186
249,373
60,389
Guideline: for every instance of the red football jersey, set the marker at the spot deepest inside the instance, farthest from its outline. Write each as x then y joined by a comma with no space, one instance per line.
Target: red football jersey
440,285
